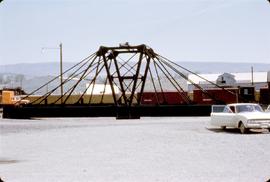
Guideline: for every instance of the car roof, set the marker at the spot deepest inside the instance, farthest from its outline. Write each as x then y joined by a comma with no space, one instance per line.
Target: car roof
239,104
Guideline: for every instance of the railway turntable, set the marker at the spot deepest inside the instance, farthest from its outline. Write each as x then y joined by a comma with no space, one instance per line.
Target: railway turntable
125,82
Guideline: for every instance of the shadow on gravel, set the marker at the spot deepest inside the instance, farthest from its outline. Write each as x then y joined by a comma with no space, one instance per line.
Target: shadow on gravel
8,161
237,131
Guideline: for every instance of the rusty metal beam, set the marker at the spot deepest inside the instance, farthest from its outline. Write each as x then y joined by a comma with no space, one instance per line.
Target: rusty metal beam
142,49
103,51
120,79
144,78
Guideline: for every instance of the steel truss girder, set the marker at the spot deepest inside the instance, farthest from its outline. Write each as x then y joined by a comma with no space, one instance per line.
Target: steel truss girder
125,97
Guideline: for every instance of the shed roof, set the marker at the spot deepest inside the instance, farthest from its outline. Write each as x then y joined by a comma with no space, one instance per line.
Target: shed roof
258,77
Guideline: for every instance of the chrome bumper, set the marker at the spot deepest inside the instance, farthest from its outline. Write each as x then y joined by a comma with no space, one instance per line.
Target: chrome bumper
258,125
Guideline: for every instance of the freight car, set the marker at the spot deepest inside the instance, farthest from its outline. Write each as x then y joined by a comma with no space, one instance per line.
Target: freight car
265,95
225,95
229,95
164,98
207,97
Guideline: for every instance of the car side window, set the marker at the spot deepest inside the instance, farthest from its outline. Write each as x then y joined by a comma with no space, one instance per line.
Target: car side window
227,110
242,108
245,108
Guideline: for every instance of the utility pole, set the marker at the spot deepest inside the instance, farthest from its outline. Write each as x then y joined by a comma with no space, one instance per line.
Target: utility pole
61,71
252,77
61,68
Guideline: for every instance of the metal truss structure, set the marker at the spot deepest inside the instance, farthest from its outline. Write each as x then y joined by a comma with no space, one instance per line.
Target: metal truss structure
126,70
126,73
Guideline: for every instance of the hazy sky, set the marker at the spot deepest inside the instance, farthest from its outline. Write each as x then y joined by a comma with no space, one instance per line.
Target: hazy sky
181,30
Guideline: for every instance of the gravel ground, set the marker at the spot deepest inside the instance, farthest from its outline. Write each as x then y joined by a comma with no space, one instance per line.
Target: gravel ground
149,149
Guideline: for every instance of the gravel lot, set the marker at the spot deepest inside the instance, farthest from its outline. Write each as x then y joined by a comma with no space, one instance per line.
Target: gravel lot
149,149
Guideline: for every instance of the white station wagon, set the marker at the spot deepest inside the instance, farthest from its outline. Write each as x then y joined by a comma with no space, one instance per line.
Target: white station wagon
244,116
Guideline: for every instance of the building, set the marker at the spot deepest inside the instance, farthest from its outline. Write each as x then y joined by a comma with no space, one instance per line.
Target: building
100,89
256,79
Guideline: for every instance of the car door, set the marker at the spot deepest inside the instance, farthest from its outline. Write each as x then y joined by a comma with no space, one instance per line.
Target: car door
228,116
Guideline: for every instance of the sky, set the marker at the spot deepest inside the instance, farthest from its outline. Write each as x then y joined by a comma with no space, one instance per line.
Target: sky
180,30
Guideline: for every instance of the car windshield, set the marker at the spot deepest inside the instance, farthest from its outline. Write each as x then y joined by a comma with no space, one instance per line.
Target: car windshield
248,108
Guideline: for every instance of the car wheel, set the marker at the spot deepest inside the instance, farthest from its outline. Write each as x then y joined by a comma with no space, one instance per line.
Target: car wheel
223,127
242,128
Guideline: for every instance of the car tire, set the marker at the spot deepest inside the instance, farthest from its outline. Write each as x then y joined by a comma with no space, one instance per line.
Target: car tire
223,127
242,128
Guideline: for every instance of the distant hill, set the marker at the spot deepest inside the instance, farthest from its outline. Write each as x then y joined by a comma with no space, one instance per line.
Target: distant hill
35,69
52,68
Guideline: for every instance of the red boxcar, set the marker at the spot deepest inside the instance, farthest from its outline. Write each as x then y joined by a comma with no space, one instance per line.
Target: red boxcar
165,98
265,95
228,95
